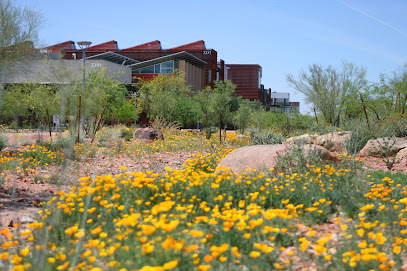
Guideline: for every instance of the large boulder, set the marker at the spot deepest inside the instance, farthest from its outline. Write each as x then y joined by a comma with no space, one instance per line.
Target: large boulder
305,139
335,141
401,154
147,134
382,147
264,157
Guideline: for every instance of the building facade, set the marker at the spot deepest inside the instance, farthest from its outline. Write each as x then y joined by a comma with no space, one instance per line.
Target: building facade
195,61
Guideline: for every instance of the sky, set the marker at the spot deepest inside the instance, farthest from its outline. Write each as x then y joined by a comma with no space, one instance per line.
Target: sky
282,36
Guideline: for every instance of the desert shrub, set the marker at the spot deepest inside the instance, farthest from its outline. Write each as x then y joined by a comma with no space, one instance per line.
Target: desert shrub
127,133
296,160
3,141
109,135
361,134
162,123
265,137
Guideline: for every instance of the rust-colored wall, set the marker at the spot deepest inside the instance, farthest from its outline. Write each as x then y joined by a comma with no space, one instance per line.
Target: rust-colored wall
246,79
210,56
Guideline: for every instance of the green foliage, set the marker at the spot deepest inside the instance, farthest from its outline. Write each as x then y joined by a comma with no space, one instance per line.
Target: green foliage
163,124
158,97
265,137
296,159
127,133
385,150
241,117
18,29
327,88
109,136
262,119
3,140
185,111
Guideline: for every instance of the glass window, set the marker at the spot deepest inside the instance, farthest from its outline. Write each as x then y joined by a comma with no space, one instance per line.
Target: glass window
149,69
167,65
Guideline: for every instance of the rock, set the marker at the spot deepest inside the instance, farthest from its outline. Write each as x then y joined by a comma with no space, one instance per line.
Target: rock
335,141
147,134
258,156
263,157
26,219
401,154
323,153
377,147
306,139
241,136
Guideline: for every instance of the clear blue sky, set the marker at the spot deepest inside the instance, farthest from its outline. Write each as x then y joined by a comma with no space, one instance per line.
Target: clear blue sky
282,36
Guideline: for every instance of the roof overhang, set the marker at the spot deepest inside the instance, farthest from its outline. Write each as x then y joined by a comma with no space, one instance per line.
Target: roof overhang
115,58
181,55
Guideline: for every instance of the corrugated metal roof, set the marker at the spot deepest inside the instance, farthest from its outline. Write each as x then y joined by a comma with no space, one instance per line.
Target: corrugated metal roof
110,45
115,58
152,45
182,55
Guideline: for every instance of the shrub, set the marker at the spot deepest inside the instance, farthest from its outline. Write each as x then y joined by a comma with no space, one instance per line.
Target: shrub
259,137
109,136
162,123
3,141
127,133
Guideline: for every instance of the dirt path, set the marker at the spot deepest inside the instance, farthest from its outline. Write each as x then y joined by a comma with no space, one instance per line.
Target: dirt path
22,193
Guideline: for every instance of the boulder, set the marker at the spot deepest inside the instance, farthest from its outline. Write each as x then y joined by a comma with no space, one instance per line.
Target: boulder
306,139
323,153
264,157
335,141
147,134
385,146
401,154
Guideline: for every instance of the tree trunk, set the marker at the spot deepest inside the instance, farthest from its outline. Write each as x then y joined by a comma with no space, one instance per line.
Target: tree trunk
315,113
404,104
395,103
208,134
220,127
79,118
49,125
97,127
364,109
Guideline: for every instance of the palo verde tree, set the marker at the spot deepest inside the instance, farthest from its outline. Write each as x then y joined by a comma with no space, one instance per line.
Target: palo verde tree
158,97
18,31
103,96
327,88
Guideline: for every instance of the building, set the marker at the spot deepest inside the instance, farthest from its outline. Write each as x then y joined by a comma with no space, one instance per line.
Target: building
201,64
198,63
247,79
280,101
193,58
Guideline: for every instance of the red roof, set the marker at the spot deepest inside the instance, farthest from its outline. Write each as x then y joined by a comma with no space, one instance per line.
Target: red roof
110,45
197,45
152,45
67,45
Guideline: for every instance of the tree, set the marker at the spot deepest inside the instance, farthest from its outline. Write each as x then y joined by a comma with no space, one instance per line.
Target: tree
327,89
158,97
18,31
102,96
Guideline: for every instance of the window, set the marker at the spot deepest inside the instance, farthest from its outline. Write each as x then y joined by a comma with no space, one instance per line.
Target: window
165,67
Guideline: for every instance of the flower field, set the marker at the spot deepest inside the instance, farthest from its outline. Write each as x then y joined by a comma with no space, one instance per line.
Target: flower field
321,217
